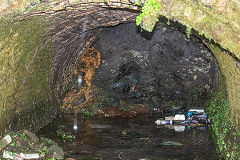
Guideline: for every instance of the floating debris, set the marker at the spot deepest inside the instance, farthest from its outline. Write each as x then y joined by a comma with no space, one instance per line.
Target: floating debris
179,117
164,122
195,118
21,156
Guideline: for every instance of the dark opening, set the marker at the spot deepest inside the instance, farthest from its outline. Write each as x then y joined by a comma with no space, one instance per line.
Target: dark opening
160,70
127,73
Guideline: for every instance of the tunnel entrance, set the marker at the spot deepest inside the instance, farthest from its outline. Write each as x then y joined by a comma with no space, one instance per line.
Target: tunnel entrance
66,55
155,69
127,69
133,78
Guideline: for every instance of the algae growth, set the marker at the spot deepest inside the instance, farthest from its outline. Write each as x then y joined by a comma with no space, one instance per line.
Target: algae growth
149,16
204,19
25,66
226,136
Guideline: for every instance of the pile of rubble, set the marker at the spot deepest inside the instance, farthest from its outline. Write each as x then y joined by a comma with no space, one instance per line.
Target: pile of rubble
24,144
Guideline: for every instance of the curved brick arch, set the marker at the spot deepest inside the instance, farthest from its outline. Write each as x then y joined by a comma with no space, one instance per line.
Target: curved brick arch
214,20
218,20
72,25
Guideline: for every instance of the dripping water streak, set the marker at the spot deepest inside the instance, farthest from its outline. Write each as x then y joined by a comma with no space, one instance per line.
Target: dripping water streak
75,124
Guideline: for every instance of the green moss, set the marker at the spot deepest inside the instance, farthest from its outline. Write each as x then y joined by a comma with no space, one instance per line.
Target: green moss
87,113
149,16
226,137
207,21
35,89
231,73
188,32
25,65
107,2
224,107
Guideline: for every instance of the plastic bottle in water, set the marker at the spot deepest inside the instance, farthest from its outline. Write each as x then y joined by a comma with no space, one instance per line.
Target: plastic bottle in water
164,122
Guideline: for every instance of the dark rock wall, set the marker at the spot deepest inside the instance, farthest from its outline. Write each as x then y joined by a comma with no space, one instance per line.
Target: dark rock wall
161,66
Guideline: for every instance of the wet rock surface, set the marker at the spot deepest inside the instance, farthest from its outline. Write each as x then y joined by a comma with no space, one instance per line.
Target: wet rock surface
154,69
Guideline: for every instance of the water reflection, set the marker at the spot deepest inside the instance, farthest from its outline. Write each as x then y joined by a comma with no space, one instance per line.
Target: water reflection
75,123
131,139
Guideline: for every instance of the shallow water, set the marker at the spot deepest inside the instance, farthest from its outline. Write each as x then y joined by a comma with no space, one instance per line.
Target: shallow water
129,139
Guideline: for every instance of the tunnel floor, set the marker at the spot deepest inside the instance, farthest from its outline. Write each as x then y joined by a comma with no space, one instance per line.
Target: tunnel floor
128,139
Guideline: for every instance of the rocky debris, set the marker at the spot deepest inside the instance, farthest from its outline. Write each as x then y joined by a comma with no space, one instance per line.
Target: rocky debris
57,152
26,145
32,137
65,135
48,141
5,141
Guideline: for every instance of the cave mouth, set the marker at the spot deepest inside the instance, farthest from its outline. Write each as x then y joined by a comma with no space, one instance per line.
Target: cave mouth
125,81
127,71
